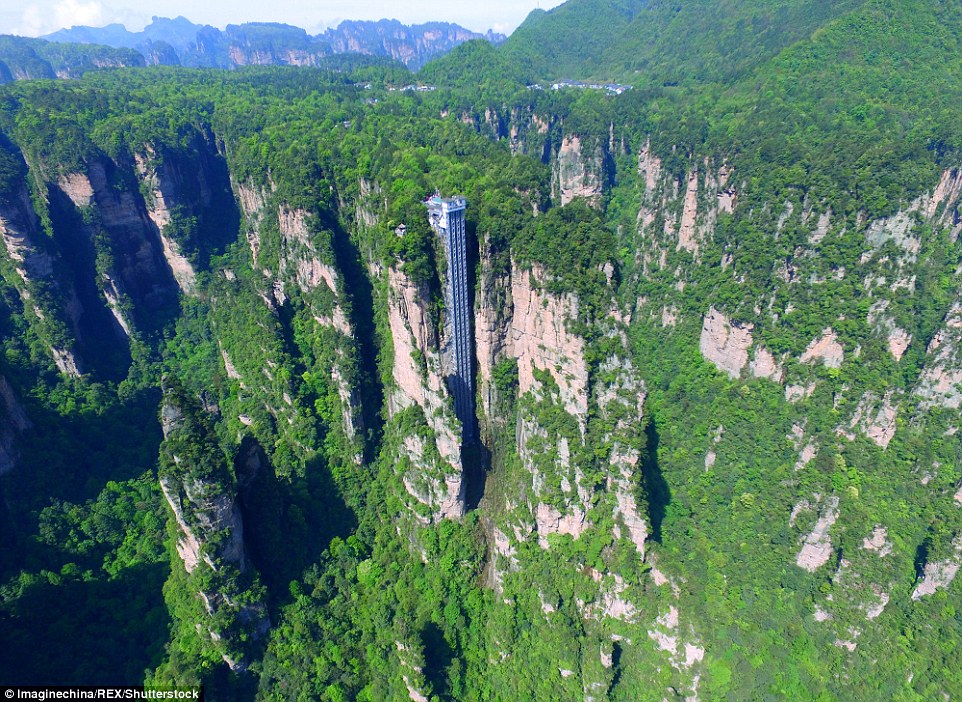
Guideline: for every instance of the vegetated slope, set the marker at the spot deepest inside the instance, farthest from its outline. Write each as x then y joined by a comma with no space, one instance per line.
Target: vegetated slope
181,42
717,345
650,43
23,59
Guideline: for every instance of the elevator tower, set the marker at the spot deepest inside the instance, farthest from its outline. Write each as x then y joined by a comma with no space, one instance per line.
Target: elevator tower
446,215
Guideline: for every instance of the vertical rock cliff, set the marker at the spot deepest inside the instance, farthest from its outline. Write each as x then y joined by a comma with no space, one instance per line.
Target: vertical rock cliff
431,466
202,494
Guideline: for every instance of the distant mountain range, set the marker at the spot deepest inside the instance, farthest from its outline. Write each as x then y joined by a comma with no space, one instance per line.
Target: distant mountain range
181,42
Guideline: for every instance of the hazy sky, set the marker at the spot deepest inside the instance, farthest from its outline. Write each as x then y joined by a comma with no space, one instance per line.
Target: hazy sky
37,17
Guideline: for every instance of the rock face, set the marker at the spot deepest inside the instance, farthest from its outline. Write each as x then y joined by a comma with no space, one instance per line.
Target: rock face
302,260
825,349
578,172
164,183
686,231
876,420
180,42
201,492
436,471
817,547
621,404
491,326
940,574
137,277
725,344
940,383
35,267
896,339
552,374
13,422
540,340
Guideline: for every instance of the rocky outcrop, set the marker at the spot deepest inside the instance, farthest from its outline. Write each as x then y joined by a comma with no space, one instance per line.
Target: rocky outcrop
680,214
578,171
897,339
725,344
764,365
13,422
201,507
436,481
940,383
621,400
649,166
163,181
817,546
202,495
689,215
34,264
878,541
540,340
826,349
412,671
492,322
876,420
938,575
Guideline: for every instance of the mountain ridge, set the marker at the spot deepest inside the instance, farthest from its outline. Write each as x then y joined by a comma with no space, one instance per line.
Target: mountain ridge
179,41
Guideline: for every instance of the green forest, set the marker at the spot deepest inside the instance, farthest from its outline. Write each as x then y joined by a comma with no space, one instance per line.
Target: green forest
717,354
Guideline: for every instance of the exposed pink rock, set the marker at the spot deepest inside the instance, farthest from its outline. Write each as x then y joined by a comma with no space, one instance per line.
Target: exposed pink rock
948,191
576,173
689,215
877,541
540,340
549,520
412,331
162,182
412,663
874,610
252,201
649,166
725,344
350,404
940,383
898,339
621,401
229,366
807,454
821,229
693,654
658,577
938,575
492,324
726,200
626,505
825,348
898,342
612,601
817,547
794,393
880,425
764,365
211,515
78,188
